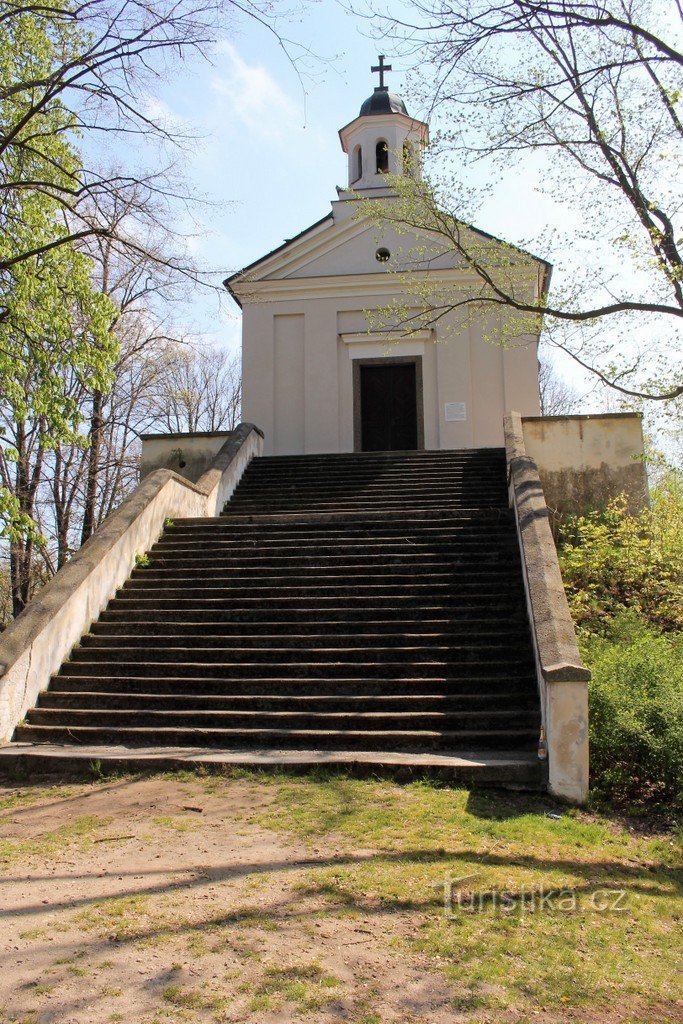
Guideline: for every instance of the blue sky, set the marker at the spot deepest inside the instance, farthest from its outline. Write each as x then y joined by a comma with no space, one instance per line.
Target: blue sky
268,156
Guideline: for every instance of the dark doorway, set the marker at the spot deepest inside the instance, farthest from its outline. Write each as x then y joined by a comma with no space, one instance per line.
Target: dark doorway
388,407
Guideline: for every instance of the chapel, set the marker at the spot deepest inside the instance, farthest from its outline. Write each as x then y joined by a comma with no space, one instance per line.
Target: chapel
362,572
323,370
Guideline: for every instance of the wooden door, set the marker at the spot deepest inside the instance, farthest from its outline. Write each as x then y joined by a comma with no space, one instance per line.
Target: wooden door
388,407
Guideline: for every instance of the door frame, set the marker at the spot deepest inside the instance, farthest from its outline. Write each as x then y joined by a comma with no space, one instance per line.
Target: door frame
419,396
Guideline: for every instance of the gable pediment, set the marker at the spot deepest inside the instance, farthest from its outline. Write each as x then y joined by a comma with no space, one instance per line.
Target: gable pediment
344,247
349,247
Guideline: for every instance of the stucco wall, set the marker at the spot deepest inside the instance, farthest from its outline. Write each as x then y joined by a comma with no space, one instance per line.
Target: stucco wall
298,375
584,461
562,679
188,455
302,303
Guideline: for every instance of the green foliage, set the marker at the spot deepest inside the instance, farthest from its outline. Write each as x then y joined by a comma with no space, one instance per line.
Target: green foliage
636,711
15,523
612,561
420,214
624,580
52,320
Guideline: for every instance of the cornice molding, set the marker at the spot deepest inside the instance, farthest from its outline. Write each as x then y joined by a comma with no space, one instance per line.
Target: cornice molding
389,337
381,283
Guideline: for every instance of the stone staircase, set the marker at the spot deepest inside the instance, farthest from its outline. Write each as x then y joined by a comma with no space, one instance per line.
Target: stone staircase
342,603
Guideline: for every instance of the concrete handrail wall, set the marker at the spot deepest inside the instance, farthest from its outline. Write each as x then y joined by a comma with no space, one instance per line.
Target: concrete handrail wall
220,481
34,646
562,678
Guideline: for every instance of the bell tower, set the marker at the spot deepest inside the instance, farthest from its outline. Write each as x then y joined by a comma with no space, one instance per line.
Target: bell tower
382,140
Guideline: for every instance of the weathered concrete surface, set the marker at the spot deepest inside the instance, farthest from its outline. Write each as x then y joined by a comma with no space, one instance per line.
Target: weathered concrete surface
40,639
220,480
188,455
482,767
562,678
585,461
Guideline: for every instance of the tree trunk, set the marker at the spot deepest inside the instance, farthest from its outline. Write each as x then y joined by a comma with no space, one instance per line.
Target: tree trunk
20,556
93,476
21,551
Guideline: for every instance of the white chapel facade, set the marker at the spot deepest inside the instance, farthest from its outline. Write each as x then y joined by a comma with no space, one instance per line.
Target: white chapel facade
322,374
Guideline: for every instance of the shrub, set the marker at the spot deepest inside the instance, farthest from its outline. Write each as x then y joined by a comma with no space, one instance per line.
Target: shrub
612,561
636,711
624,580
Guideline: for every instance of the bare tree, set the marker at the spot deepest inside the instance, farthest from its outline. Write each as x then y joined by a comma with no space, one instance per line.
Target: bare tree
557,397
90,68
593,88
79,492
142,285
198,389
159,385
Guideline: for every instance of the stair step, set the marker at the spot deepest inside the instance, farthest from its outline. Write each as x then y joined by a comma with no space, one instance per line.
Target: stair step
396,670
367,605
106,635
314,615
486,456
362,541
246,508
519,768
432,494
440,476
457,522
403,541
365,739
307,566
189,584
308,653
332,489
378,703
387,721
442,588
202,553
354,607
297,686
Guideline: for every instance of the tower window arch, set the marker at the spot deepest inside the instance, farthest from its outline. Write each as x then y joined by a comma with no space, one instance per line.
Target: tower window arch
382,157
409,160
357,163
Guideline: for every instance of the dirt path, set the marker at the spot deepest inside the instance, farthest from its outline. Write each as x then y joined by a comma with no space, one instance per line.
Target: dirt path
145,908
161,900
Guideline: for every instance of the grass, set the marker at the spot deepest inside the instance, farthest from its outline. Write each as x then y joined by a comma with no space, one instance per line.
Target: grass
202,998
522,905
123,916
77,834
25,797
306,986
176,822
613,929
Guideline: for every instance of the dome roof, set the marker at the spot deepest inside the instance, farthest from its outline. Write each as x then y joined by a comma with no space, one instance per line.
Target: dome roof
382,102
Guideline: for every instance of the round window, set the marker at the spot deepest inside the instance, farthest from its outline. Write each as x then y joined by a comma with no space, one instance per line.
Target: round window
382,255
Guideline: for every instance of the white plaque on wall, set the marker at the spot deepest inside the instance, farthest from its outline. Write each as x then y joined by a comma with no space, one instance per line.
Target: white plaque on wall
455,411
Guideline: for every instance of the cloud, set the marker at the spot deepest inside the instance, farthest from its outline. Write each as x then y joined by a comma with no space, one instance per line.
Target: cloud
255,98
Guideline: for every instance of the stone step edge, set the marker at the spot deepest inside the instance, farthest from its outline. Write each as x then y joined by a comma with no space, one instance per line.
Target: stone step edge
504,769
476,512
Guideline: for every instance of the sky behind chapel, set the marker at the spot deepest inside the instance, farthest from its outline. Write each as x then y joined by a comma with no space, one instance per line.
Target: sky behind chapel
267,153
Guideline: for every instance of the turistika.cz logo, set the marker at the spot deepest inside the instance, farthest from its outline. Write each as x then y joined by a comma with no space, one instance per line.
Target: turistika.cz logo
460,896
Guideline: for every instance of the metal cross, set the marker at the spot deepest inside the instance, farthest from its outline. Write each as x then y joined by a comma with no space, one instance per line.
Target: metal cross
381,68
